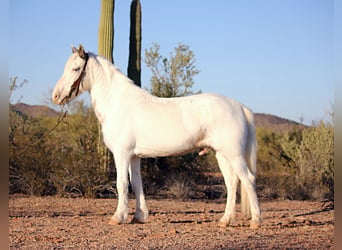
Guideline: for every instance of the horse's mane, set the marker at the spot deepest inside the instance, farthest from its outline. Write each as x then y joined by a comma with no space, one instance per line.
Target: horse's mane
104,62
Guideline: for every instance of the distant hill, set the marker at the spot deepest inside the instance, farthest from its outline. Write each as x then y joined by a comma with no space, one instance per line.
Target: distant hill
275,123
35,110
269,121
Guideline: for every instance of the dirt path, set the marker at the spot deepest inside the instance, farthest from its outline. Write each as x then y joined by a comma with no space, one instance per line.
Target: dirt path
62,223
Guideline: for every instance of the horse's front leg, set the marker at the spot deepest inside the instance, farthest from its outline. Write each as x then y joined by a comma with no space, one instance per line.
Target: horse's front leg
141,212
122,161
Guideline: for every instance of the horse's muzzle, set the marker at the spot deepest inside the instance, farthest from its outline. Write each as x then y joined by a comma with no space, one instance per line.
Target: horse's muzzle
56,98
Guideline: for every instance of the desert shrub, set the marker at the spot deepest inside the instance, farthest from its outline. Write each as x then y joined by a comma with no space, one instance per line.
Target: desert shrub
28,161
76,168
296,164
314,158
63,163
274,167
180,186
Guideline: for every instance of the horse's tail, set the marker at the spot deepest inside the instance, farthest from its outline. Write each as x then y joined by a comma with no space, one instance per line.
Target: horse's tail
250,156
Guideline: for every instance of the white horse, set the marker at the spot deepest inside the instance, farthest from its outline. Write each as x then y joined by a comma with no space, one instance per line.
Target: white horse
136,124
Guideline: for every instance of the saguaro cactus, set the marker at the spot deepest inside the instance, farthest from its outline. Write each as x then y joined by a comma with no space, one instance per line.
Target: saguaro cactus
105,49
106,30
134,61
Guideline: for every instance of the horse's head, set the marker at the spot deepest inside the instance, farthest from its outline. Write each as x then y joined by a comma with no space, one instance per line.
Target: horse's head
69,85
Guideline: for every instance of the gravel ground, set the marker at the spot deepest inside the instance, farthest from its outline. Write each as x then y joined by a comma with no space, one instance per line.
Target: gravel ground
77,223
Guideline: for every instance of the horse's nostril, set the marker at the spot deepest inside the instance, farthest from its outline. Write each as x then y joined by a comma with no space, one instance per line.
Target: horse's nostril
55,97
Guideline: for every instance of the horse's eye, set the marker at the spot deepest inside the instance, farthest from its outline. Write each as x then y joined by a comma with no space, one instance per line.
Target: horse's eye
77,69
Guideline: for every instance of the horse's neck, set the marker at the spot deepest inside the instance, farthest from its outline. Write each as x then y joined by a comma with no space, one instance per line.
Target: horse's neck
108,87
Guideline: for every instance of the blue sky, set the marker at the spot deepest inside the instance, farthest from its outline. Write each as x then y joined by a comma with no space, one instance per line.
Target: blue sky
274,56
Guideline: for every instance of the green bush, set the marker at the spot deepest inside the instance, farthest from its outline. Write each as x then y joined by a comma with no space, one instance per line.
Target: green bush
26,163
296,164
314,158
62,163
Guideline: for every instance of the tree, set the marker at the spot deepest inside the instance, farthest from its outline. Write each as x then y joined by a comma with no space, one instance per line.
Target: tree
171,77
105,48
134,61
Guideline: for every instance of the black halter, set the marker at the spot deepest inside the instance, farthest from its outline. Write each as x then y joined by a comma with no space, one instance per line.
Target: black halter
77,83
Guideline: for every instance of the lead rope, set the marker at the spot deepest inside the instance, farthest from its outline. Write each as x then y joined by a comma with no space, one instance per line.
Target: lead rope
60,119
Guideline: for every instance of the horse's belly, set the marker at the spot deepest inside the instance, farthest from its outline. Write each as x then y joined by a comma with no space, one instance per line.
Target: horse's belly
159,143
145,151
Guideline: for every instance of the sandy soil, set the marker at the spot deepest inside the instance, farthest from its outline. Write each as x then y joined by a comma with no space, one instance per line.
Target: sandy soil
76,223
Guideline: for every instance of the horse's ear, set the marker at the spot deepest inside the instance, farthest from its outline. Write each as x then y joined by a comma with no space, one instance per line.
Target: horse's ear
74,50
81,51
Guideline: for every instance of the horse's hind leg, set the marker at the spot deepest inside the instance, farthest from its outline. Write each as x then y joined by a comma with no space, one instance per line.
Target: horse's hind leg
231,181
240,167
141,212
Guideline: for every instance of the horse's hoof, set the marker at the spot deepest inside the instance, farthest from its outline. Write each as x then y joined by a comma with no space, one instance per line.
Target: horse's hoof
137,221
254,225
223,224
114,222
